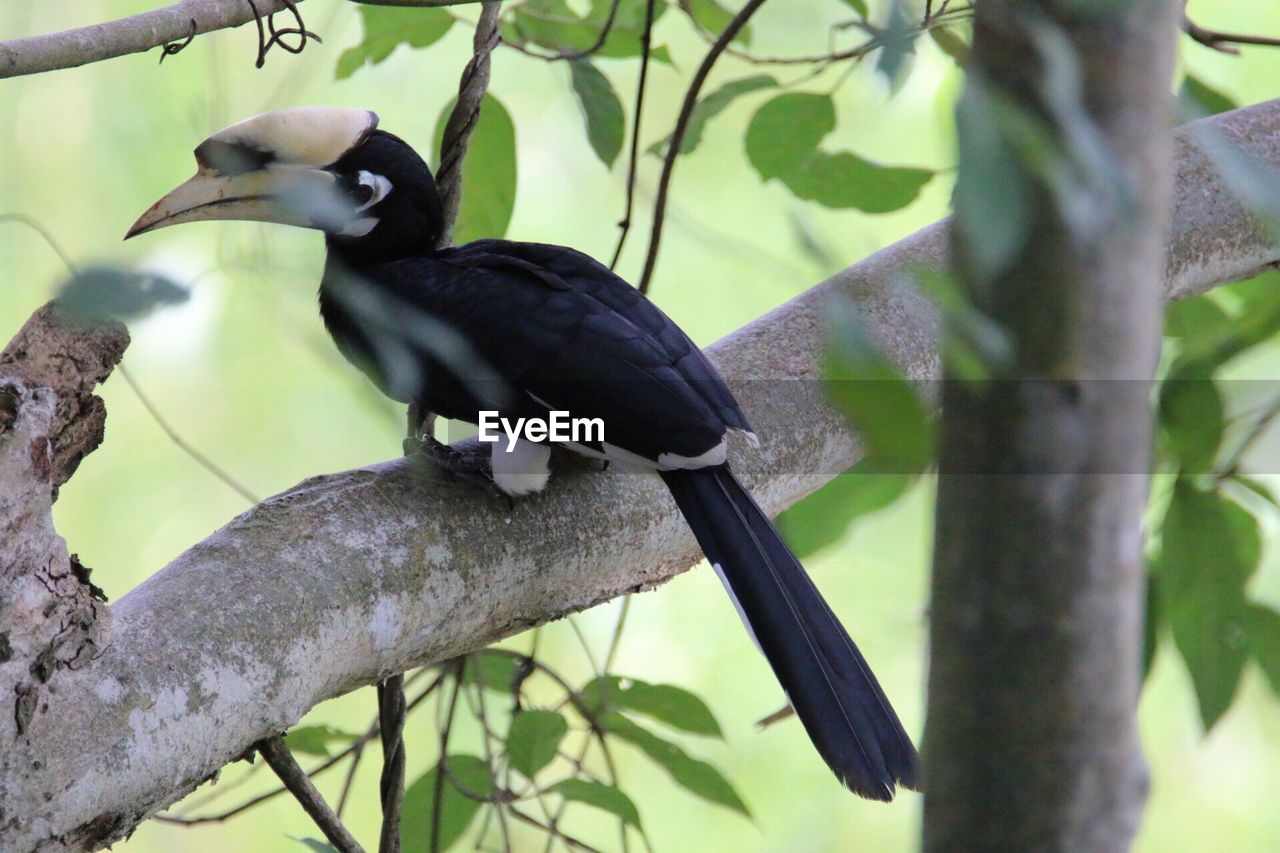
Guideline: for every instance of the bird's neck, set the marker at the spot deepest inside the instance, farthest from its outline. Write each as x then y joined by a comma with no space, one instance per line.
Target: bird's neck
379,248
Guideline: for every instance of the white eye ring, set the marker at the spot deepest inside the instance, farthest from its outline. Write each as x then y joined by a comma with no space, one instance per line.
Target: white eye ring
380,186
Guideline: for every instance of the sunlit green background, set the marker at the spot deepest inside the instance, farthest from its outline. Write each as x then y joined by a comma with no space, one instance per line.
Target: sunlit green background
245,374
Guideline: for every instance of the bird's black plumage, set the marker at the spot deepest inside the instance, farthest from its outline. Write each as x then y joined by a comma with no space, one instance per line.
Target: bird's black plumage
557,328
561,330
523,328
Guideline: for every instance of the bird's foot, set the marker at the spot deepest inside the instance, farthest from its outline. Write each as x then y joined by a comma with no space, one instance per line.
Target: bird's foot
468,460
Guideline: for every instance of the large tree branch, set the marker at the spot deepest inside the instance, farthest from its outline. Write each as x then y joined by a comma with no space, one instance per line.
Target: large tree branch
350,577
134,34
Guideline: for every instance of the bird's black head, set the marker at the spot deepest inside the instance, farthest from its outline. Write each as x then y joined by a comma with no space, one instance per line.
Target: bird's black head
316,167
400,213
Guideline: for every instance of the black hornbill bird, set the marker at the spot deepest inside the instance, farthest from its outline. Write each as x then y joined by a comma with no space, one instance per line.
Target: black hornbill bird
524,329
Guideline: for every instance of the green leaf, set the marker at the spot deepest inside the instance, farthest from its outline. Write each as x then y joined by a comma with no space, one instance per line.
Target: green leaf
895,427
1196,99
1257,322
104,291
552,25
628,25
466,773
782,142
315,740
601,109
859,7
534,740
974,347
695,776
1254,487
1210,547
388,27
665,703
605,797
897,42
492,671
1196,320
488,173
710,107
951,43
822,519
711,17
992,197
1191,416
1262,626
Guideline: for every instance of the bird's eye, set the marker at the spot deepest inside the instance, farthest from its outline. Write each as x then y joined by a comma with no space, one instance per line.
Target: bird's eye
369,189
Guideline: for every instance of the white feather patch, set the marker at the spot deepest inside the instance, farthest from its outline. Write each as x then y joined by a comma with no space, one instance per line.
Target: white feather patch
737,605
522,470
715,456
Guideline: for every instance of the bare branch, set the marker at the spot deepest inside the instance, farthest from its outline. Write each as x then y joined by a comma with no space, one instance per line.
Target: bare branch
633,155
349,576
135,34
1224,42
730,32
276,754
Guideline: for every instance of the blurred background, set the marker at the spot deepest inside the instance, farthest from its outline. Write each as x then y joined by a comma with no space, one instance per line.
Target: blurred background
244,372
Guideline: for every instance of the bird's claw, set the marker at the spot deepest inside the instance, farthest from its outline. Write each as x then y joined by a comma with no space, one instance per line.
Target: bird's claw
470,464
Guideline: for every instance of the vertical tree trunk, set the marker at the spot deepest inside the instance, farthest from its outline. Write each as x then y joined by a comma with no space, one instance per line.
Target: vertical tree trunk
1062,204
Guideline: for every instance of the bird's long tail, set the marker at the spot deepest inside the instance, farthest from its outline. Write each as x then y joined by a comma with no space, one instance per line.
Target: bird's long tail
824,675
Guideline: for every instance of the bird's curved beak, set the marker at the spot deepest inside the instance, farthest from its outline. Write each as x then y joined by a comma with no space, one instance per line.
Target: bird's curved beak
270,168
287,194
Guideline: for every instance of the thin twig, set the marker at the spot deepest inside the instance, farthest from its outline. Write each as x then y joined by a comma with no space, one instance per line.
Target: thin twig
568,839
682,125
391,714
616,640
1231,466
569,55
612,770
466,113
586,647
202,460
553,820
1224,42
633,157
45,234
942,17
276,37
281,760
169,25
355,751
487,734
442,768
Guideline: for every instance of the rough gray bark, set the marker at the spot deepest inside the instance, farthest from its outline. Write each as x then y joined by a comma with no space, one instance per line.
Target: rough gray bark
350,577
1036,609
134,34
